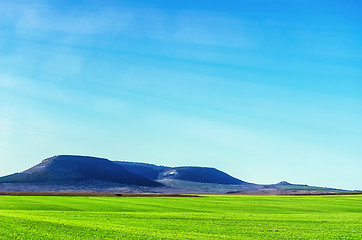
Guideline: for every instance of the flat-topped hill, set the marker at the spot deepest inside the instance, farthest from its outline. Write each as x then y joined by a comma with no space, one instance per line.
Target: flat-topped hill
68,167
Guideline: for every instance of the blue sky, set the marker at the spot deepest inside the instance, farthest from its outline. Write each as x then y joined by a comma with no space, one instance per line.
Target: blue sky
264,90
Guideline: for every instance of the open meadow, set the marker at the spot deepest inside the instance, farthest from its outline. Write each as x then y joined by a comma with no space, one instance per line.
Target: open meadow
207,217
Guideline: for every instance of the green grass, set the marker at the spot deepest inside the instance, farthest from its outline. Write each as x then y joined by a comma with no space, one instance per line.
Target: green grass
209,217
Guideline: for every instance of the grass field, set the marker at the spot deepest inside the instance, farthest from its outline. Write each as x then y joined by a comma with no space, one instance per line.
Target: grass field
209,217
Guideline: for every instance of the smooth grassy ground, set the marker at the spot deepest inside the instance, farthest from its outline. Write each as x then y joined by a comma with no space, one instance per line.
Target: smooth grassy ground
209,217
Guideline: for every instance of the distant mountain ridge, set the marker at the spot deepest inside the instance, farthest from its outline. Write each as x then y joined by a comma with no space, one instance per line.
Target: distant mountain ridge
70,167
84,173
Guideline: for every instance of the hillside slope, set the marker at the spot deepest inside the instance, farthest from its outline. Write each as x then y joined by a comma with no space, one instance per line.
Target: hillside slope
192,174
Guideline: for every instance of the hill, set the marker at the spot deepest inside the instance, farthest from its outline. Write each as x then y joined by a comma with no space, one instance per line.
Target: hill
68,168
192,174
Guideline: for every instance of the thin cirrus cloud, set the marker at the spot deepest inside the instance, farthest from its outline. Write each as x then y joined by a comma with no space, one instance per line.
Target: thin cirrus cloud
45,17
183,26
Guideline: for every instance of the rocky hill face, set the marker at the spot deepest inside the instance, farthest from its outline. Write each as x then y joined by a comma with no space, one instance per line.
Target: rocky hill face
192,174
200,174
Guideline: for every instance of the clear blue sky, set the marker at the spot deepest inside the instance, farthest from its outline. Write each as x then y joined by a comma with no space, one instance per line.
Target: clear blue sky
264,90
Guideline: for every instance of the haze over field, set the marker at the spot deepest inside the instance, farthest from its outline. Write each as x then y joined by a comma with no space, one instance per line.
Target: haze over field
264,90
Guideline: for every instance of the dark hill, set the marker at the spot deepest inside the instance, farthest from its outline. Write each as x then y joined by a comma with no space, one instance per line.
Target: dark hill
193,174
199,174
283,183
66,167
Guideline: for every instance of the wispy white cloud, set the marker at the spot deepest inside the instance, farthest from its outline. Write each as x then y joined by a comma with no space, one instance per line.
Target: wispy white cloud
195,27
62,64
182,26
47,16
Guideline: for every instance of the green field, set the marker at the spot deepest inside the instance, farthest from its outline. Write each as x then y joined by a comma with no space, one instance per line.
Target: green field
209,217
